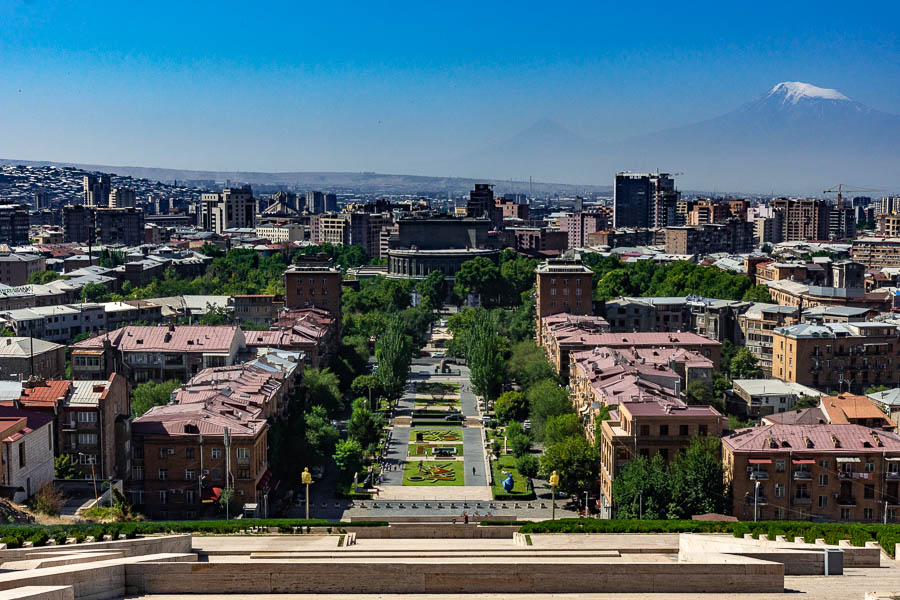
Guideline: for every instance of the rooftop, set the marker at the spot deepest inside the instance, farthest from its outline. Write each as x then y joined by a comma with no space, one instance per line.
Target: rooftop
164,338
833,439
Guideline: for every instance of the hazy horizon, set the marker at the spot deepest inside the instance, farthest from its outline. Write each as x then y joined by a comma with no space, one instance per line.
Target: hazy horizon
407,89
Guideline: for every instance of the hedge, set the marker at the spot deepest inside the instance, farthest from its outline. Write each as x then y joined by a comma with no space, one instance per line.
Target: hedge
858,533
15,535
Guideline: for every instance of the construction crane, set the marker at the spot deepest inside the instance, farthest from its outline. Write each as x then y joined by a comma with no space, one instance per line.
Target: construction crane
841,188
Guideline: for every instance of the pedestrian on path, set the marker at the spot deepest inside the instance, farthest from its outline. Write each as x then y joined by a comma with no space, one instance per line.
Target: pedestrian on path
473,470
465,518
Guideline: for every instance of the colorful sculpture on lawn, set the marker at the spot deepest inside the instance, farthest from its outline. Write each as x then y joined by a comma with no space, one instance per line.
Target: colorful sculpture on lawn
509,482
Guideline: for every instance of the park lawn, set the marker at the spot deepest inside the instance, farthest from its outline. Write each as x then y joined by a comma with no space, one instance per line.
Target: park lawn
426,449
520,484
429,402
457,472
433,434
452,387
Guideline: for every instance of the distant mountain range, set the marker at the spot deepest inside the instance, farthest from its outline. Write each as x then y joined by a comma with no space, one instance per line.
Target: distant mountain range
795,139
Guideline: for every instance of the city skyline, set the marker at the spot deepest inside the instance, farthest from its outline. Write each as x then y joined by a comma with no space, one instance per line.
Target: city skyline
408,90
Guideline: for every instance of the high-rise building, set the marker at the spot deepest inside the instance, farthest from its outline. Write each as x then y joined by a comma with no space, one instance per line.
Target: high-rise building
78,224
160,205
313,283
96,190
14,224
330,202
120,226
563,286
580,225
803,220
41,200
481,204
645,200
228,209
315,203
122,197
841,222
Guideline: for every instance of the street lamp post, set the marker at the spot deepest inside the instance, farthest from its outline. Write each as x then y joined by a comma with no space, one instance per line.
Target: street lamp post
554,481
755,501
306,479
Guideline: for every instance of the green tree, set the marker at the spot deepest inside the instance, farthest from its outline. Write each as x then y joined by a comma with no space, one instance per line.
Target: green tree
321,436
744,365
528,364
367,386
518,275
511,406
364,426
478,276
433,289
698,479
393,351
43,277
519,444
64,467
215,315
348,454
94,292
643,489
874,389
149,394
806,401
576,462
560,427
528,465
323,389
757,293
484,356
7,332
547,400
698,392
111,259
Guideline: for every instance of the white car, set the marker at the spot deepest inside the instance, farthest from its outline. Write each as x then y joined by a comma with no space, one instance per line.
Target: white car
437,354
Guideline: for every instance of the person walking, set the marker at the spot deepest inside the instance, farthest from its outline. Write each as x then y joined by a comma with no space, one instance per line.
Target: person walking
465,518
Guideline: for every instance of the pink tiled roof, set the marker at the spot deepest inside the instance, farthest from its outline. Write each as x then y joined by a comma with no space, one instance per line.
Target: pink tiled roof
162,338
793,438
647,338
191,419
244,387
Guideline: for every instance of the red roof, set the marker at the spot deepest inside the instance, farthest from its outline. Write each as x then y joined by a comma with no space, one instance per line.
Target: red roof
47,392
838,439
182,338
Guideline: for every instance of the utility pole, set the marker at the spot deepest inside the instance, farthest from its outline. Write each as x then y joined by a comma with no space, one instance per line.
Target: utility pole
227,471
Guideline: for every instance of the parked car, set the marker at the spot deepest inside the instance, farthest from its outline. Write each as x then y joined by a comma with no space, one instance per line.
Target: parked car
438,354
455,417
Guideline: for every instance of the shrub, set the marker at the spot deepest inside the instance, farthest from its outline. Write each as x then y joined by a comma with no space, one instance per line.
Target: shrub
39,538
48,500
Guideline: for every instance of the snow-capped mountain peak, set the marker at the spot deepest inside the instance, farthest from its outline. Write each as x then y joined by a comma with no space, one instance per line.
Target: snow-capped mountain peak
792,92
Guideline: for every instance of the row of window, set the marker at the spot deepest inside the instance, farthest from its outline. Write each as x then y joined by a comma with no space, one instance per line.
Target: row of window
216,453
565,292
137,473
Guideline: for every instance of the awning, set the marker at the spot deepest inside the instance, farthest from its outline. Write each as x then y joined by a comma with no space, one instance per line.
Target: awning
760,461
893,459
848,459
803,461
264,480
211,495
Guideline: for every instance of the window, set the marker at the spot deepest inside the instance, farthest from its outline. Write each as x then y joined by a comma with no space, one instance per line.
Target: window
243,453
163,453
189,453
87,417
823,501
137,472
664,453
190,497
802,490
553,292
139,452
868,514
870,467
163,474
645,430
663,430
243,473
779,466
823,479
87,439
823,464
189,474
779,490
22,454
216,453
779,512
163,496
845,514
682,430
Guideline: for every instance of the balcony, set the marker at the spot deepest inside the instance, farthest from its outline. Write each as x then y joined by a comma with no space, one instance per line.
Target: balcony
759,475
892,476
846,501
801,501
803,475
759,501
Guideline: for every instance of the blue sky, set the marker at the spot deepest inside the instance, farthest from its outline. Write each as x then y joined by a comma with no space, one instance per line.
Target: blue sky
389,86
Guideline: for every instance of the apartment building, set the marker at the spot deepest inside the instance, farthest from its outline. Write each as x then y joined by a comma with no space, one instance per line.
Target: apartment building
731,237
756,325
578,226
314,332
157,353
15,268
282,233
564,286
536,239
122,197
648,426
802,220
837,356
231,208
259,392
24,357
261,309
179,461
876,252
96,190
758,398
822,472
313,284
706,211
123,226
26,448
